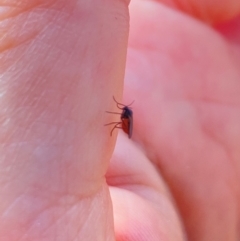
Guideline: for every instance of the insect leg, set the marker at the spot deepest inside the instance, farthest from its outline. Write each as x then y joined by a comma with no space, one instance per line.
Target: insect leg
116,126
112,123
113,112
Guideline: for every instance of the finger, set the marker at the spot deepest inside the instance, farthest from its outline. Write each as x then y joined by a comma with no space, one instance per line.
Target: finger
143,207
185,123
212,11
61,62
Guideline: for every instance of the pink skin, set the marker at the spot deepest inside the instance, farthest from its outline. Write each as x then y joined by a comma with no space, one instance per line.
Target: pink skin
177,178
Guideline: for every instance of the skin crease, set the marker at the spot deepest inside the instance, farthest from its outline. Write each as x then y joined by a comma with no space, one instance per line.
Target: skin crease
177,178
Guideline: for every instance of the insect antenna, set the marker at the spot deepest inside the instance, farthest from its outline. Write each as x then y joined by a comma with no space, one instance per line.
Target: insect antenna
121,104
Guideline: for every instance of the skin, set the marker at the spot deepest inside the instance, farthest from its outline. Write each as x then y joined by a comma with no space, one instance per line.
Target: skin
62,177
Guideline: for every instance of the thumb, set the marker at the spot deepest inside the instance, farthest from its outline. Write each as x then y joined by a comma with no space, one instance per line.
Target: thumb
58,63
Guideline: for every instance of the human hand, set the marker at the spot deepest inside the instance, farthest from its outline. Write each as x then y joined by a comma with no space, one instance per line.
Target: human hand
178,176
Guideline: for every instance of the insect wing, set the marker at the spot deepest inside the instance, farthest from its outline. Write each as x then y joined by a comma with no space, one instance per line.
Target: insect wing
130,126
